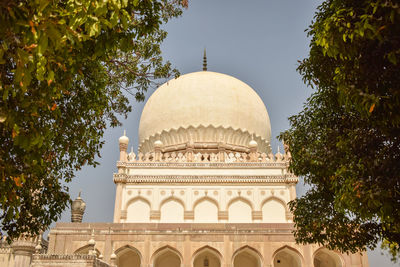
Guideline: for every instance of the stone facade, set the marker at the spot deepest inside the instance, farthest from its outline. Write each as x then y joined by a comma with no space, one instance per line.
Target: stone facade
267,243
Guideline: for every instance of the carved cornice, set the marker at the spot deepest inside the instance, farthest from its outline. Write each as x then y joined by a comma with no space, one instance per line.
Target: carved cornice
203,179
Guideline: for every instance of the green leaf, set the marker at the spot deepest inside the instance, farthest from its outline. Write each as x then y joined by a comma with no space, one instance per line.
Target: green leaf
42,45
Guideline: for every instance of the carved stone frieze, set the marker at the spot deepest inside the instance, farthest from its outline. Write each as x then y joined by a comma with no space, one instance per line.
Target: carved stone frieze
201,179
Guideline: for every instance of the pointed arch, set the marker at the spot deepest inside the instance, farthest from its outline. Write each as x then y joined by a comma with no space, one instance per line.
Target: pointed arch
215,257
280,215
240,198
156,258
133,199
205,198
330,259
138,210
205,210
172,209
172,198
85,250
255,259
294,253
127,247
128,256
280,200
240,210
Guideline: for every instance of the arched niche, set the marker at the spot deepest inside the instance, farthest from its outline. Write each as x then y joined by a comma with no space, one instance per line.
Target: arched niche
274,210
138,210
240,211
172,210
85,250
287,257
247,257
205,210
207,257
327,258
128,256
167,257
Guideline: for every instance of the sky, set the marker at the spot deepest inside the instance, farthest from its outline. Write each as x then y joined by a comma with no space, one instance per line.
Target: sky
258,42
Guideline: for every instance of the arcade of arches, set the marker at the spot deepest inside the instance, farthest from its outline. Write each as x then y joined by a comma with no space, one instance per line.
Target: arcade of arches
207,256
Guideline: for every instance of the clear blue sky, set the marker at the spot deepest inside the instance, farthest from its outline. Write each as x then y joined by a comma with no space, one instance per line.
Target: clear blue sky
258,42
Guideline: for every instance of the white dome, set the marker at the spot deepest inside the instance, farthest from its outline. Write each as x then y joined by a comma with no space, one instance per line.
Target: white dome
204,107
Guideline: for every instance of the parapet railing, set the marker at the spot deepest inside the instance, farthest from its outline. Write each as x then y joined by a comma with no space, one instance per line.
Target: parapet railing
231,157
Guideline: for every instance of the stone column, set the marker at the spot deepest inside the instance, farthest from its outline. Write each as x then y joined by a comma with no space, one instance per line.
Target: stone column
118,202
292,191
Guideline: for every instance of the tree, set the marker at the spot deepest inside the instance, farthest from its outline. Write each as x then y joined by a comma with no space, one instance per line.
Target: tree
346,141
64,69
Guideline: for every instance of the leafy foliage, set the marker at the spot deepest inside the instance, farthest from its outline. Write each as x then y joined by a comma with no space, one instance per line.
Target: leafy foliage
346,141
64,66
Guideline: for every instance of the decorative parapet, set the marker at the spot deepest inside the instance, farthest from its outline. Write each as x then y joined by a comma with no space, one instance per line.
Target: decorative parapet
75,260
224,157
204,179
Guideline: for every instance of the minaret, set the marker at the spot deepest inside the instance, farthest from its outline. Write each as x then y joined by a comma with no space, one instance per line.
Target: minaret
123,157
123,145
77,209
205,61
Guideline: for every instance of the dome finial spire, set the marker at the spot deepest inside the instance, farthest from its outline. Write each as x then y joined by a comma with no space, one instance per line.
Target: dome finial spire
205,60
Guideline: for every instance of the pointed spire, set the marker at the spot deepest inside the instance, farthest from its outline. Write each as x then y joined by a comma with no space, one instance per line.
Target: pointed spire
205,60
124,132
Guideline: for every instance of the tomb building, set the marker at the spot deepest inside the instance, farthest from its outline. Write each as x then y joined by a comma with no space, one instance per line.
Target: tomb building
204,190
